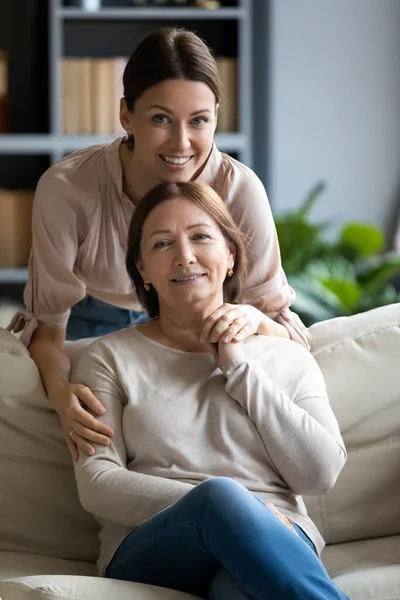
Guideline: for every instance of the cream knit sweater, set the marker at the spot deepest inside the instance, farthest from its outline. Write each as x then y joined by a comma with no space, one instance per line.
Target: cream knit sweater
179,419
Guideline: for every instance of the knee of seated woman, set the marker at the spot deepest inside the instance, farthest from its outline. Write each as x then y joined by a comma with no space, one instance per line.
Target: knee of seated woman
219,489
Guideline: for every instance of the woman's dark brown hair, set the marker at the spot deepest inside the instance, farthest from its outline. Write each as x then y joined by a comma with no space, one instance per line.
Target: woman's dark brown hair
205,198
169,53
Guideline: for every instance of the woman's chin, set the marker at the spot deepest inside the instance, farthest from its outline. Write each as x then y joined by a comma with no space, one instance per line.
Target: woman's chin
189,301
195,303
179,176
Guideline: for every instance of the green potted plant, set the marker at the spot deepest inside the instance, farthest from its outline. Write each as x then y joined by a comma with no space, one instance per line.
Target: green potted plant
350,274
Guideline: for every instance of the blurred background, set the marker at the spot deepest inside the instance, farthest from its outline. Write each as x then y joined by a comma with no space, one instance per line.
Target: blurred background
311,103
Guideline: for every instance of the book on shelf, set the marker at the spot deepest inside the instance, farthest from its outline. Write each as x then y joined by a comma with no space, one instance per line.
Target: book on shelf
207,4
4,97
103,96
92,88
15,227
91,92
228,109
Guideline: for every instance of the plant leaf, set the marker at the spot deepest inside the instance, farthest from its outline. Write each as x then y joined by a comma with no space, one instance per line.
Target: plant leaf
347,292
366,239
378,271
332,267
299,242
313,302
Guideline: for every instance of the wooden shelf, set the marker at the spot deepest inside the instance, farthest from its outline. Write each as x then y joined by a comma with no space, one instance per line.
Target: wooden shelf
13,275
63,144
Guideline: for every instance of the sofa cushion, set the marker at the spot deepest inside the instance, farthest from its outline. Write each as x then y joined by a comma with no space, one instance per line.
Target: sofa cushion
360,360
21,564
64,587
39,506
366,570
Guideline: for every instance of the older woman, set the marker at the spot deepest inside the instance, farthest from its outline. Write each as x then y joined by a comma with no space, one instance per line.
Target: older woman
206,436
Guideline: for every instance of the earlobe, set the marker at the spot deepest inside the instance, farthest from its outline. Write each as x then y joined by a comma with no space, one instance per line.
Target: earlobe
139,266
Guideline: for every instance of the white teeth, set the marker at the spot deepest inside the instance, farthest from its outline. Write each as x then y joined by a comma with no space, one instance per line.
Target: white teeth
187,278
175,160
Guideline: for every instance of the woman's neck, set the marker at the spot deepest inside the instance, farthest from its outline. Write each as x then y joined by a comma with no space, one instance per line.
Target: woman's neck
183,332
179,330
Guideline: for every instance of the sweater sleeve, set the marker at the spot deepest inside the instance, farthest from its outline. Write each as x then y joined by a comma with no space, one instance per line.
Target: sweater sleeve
301,436
106,487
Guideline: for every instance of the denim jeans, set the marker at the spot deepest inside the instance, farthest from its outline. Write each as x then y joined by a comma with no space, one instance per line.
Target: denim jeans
92,318
222,543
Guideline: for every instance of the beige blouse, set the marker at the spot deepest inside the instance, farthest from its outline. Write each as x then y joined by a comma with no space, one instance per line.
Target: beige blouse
81,218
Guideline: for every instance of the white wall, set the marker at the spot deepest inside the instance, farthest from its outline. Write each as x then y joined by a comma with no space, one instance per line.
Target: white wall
335,106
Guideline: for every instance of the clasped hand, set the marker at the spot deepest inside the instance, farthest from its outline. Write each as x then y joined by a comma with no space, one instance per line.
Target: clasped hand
227,327
231,323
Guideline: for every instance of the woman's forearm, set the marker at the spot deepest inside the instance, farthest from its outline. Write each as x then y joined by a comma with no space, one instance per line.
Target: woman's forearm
113,493
47,350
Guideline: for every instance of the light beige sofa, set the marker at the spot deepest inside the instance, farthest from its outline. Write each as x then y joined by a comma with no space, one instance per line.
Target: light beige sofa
48,544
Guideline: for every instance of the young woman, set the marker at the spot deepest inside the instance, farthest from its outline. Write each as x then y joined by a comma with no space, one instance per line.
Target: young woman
206,436
84,204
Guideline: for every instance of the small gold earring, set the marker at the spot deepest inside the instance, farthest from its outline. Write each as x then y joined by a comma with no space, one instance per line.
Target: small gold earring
146,287
230,272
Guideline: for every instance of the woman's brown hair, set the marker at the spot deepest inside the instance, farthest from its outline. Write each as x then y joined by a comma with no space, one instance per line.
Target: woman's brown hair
205,198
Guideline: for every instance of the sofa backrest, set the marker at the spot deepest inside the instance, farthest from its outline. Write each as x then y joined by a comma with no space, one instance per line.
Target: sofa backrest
39,507
360,359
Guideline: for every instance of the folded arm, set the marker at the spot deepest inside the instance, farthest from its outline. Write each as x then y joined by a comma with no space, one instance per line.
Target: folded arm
301,437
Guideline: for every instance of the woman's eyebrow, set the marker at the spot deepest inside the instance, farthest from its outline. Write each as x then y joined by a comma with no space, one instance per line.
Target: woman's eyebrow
199,224
171,112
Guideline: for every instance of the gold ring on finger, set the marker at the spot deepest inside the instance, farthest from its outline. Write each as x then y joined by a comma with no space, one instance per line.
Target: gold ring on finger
71,433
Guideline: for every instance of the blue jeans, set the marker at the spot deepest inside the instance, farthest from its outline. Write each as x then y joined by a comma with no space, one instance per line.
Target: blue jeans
92,318
222,543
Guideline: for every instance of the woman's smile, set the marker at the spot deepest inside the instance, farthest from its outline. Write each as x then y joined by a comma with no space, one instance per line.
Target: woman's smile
188,279
176,163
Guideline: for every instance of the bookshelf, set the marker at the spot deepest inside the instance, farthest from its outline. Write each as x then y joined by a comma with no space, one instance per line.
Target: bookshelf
113,31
